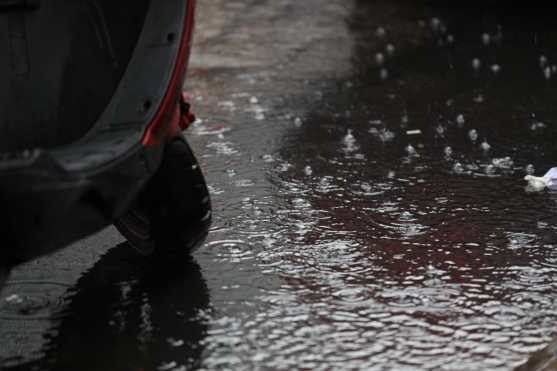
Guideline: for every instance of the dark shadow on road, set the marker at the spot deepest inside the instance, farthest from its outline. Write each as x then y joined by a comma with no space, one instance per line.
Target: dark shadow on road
130,312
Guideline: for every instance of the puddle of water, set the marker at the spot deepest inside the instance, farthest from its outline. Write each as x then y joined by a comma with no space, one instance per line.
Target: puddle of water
369,211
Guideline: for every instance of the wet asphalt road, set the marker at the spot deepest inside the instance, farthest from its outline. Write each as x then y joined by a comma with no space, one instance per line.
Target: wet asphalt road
369,208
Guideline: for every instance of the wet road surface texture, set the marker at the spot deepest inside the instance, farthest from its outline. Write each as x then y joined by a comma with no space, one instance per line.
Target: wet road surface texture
365,160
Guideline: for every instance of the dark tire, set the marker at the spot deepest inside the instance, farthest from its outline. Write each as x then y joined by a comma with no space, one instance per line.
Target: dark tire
173,212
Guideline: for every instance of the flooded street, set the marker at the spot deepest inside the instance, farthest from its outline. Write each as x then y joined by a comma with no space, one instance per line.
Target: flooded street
366,163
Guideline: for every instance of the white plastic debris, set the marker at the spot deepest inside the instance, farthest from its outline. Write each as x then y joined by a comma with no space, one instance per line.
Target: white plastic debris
486,39
297,122
380,32
448,151
254,100
460,119
539,183
495,68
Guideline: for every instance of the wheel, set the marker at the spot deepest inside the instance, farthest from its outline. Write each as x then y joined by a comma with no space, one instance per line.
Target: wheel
173,212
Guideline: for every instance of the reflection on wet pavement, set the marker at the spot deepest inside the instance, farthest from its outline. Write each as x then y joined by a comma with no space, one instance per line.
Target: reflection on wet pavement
127,312
365,161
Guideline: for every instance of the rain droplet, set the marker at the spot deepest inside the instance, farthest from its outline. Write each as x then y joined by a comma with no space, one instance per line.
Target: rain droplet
380,59
473,135
386,135
547,72
543,60
503,163
380,32
440,130
460,119
411,151
485,146
390,48
495,68
254,100
349,138
486,39
476,64
450,39
435,23
298,122
391,174
308,171
448,151
490,169
268,158
530,169
384,74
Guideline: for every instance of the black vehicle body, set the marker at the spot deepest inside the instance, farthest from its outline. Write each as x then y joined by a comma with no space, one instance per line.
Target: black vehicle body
90,98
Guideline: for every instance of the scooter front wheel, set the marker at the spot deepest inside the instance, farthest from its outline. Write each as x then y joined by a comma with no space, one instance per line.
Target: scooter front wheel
173,212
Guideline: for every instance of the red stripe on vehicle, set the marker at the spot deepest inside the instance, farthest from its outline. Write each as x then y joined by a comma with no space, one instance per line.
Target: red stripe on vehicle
165,122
